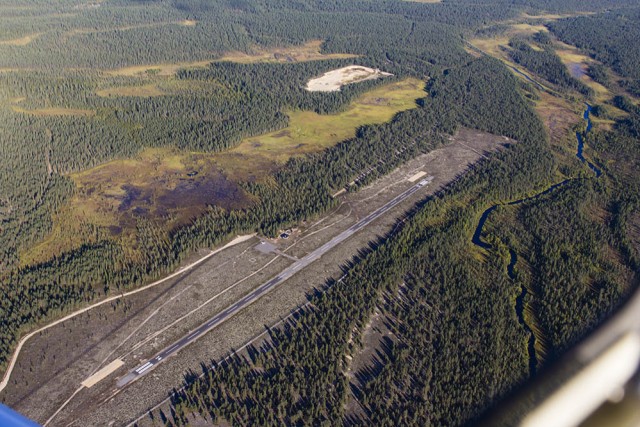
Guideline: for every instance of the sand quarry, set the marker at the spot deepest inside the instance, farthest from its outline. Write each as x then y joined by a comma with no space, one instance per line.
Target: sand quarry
332,81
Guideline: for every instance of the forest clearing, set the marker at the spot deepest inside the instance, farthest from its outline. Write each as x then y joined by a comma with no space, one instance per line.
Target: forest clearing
333,80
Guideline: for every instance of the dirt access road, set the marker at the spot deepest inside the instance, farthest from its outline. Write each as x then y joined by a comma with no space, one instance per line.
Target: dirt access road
54,363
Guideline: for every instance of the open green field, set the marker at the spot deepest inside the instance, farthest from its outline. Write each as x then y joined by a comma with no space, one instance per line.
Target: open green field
54,111
309,131
496,45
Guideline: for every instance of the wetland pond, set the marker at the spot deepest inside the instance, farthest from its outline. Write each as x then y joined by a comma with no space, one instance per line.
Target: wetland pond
182,200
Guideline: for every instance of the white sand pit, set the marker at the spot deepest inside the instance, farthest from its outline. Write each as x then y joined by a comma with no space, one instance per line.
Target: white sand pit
332,81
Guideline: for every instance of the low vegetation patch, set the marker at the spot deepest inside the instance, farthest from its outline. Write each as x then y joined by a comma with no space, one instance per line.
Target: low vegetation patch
54,111
22,41
309,132
496,44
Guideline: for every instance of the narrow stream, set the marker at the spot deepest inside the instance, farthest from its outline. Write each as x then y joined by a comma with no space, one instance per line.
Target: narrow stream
538,85
477,239
477,236
580,139
520,304
520,300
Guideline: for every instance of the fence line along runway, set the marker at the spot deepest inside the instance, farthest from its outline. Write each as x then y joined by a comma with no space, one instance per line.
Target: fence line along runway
267,286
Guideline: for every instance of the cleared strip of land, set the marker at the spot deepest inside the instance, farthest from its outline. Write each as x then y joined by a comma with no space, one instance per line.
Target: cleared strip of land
218,275
132,91
16,353
310,51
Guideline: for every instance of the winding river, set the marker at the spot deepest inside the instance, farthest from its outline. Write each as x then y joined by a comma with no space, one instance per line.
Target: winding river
580,139
477,240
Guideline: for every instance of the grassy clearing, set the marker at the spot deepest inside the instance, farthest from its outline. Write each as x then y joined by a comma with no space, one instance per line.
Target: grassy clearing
558,114
559,117
554,16
576,62
54,111
161,87
603,124
49,111
14,70
527,29
72,227
162,185
22,41
544,16
171,187
495,46
310,132
491,46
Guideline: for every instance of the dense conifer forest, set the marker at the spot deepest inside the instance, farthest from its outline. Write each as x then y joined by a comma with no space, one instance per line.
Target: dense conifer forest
460,338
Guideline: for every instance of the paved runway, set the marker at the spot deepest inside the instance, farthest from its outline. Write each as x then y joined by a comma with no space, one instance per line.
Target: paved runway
266,287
